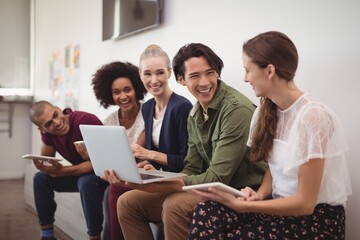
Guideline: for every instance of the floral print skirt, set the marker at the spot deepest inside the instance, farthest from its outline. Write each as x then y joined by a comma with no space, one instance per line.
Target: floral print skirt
212,220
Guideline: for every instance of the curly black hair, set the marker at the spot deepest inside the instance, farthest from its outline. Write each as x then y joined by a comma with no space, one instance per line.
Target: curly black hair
105,76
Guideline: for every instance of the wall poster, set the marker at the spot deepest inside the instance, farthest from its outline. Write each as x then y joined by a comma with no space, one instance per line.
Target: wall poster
65,77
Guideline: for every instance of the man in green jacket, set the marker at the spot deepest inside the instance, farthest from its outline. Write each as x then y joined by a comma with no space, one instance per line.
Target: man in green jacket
218,128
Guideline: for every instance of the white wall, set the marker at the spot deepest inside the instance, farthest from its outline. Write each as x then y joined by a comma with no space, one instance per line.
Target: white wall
13,147
326,33
14,43
14,79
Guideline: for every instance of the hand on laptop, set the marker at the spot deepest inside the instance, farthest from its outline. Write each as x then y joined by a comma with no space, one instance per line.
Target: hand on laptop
142,164
146,165
140,152
111,177
174,185
149,167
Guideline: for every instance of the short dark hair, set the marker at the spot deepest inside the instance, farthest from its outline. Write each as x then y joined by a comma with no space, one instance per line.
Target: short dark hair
195,50
37,109
108,73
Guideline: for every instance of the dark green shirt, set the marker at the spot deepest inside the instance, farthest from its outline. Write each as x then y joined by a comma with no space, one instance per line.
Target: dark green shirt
217,147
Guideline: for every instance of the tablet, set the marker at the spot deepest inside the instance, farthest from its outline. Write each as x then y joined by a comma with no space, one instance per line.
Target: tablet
41,157
62,161
218,185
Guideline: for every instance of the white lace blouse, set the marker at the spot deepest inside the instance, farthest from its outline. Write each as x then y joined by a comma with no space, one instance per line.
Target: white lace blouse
306,130
134,131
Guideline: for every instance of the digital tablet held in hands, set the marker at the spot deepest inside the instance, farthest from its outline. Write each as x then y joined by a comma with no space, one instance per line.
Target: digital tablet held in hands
218,185
40,157
46,158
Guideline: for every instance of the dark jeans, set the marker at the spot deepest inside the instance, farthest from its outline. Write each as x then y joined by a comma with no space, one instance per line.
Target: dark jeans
90,187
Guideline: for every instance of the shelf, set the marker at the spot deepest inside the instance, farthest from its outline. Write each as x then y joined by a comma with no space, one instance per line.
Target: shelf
8,99
16,95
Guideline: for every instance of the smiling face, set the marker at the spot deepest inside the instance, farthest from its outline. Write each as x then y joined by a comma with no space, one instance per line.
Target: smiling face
257,77
200,79
155,74
123,94
53,121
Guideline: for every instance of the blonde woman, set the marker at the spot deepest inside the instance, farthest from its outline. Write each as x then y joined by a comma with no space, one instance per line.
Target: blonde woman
165,116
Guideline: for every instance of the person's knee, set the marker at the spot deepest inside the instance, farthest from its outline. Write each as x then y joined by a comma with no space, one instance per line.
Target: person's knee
122,204
83,184
88,184
179,207
40,178
126,205
170,206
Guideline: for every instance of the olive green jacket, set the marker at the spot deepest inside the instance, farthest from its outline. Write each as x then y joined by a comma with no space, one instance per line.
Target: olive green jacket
217,149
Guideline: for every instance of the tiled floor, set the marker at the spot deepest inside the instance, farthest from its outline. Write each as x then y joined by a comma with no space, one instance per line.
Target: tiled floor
17,220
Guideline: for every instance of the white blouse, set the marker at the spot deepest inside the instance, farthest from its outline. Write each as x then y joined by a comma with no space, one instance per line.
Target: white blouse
306,130
157,123
134,131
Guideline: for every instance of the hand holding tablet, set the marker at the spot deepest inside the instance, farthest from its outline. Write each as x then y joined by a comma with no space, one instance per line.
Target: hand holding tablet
218,185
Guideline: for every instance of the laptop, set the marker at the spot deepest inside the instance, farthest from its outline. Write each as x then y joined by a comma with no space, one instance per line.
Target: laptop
109,149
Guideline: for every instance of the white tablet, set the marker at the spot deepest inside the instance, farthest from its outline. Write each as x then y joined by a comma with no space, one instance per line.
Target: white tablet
62,161
41,157
219,185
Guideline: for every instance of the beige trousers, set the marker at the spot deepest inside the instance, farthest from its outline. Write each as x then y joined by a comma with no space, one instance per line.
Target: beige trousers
136,209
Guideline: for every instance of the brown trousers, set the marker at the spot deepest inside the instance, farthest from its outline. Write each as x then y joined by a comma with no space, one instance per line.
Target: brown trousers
136,209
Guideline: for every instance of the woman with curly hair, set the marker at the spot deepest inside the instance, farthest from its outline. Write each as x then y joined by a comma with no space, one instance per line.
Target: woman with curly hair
119,83
166,134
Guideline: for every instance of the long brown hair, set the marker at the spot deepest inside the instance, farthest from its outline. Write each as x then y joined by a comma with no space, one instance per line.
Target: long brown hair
277,49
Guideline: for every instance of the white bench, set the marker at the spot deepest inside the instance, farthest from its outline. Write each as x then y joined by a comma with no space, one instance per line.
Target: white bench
69,216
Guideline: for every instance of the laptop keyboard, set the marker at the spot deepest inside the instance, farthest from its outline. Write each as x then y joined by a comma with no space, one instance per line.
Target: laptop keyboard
149,176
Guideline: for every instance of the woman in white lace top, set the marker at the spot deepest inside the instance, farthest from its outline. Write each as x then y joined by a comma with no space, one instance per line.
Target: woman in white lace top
305,189
119,83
